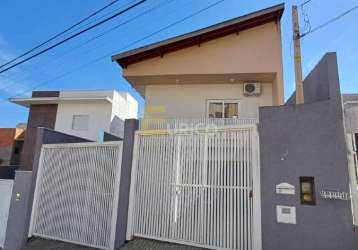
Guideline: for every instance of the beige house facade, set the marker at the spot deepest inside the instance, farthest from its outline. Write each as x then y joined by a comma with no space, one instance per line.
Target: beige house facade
203,73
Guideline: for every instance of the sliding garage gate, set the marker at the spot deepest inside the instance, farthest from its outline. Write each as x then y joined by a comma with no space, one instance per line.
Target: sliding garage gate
197,187
76,193
352,146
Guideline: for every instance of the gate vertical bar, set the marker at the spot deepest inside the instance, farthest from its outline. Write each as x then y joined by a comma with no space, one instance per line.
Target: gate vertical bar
352,177
257,233
132,187
34,203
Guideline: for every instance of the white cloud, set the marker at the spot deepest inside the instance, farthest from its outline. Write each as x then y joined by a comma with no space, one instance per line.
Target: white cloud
9,85
6,53
11,88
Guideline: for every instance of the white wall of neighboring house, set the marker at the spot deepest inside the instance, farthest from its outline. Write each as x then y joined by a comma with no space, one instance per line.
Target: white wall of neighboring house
190,100
99,118
105,115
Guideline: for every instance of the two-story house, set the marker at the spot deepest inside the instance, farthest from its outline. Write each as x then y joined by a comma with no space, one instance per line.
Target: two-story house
227,70
203,180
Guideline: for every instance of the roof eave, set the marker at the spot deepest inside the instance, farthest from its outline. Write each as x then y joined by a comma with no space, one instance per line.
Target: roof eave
238,24
26,102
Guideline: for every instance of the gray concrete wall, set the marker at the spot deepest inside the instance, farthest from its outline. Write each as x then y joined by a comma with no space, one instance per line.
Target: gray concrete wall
130,126
317,86
20,211
307,140
17,228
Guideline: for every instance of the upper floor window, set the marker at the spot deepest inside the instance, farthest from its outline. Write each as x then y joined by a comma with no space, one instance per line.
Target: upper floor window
80,122
223,109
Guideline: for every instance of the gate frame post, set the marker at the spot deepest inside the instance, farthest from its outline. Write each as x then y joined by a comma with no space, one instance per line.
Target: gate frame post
352,178
129,233
130,128
116,196
256,221
35,197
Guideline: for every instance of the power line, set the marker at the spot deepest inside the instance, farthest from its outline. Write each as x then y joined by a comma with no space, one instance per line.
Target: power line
59,34
116,51
96,19
73,36
306,19
101,35
305,2
330,21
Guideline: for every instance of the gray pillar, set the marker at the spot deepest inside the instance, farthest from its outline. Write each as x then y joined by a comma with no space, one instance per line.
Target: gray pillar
17,229
130,126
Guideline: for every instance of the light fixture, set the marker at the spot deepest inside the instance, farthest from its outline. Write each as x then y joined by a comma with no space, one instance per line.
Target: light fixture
177,80
232,79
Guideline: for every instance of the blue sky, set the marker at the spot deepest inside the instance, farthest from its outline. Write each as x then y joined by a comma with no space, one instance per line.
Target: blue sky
26,23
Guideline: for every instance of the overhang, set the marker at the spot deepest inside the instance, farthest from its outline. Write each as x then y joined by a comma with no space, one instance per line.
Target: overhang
236,25
26,102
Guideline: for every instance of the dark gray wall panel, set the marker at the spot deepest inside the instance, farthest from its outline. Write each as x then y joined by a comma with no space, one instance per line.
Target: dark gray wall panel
307,140
130,126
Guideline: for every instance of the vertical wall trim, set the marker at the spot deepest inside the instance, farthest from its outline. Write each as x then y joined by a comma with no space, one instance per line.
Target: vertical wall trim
257,231
132,187
130,126
34,203
116,198
352,178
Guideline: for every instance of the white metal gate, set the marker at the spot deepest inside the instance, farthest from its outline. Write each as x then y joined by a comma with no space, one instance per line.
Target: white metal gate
197,187
353,173
5,200
76,193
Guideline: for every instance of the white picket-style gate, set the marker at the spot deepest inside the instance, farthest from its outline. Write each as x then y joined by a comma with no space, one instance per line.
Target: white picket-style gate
76,195
353,173
197,187
5,200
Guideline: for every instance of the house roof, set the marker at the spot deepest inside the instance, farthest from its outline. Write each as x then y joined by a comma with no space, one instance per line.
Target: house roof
48,97
350,98
235,25
26,102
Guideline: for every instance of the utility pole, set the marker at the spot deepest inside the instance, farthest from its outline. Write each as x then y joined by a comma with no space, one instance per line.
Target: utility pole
297,51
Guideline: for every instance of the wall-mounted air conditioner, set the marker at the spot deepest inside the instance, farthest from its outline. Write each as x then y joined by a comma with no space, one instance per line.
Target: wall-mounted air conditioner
252,89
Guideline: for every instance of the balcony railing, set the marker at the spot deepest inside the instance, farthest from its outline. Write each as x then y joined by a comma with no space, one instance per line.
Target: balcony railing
188,123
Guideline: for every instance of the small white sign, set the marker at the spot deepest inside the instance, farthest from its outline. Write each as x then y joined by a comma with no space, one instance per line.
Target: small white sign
286,214
285,188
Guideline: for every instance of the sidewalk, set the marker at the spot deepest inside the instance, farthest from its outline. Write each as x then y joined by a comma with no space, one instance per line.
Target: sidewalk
136,244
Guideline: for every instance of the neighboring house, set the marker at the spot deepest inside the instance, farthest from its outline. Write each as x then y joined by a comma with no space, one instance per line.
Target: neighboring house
87,114
227,70
350,103
11,141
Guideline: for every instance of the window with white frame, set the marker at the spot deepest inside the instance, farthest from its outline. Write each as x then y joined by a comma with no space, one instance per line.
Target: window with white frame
223,108
80,122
